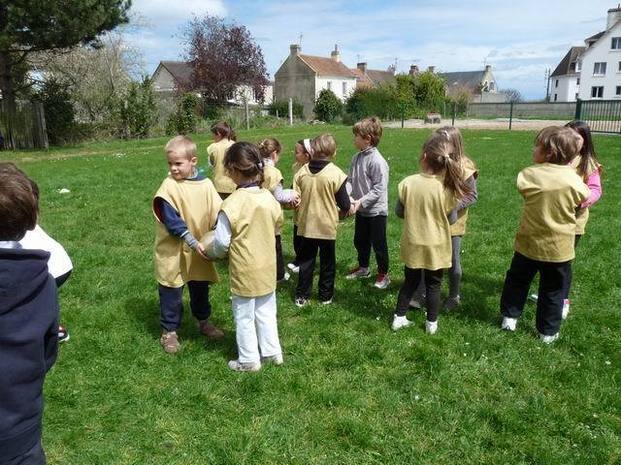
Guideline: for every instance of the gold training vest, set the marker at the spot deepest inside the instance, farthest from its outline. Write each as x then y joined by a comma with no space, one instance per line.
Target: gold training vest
254,216
459,227
216,152
271,178
318,214
198,204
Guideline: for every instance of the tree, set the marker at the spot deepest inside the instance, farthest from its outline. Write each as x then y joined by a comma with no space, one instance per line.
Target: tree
513,95
137,110
328,107
223,56
28,26
429,91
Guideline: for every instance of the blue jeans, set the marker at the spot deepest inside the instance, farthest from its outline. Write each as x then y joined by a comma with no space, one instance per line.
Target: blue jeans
171,305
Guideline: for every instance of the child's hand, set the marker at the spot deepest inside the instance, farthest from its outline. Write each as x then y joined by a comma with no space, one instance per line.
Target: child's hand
296,200
355,206
200,248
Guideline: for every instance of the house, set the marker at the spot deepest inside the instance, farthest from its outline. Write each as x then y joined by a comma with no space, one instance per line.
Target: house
302,77
171,75
600,62
481,85
369,78
565,80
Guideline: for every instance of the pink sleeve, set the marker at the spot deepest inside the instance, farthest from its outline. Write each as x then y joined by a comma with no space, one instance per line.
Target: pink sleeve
594,184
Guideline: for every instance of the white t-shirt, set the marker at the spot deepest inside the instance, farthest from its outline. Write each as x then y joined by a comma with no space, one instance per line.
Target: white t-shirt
59,262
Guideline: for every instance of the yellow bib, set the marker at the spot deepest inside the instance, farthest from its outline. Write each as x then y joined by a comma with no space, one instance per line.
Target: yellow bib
216,152
459,227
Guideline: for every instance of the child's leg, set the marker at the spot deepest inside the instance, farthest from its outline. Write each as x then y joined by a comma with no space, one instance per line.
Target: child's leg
327,269
308,255
515,290
380,245
171,307
455,271
362,240
552,284
280,262
567,287
297,245
267,326
410,283
245,330
433,282
199,299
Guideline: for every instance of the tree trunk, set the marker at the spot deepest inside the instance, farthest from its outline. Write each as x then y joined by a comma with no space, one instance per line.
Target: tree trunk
7,102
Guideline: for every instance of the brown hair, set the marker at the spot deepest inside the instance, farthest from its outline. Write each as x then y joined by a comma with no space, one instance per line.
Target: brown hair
324,146
437,155
245,158
182,145
453,135
18,203
588,155
269,146
561,144
223,129
371,128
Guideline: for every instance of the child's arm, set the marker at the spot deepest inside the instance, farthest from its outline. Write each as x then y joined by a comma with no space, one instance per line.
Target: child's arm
222,238
378,174
173,222
471,196
285,196
399,209
594,183
342,198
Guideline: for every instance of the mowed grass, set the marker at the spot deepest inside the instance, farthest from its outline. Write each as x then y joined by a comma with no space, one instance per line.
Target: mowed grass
351,390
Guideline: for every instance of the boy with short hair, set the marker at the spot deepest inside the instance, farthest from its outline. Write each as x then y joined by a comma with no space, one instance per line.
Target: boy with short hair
186,206
28,324
368,181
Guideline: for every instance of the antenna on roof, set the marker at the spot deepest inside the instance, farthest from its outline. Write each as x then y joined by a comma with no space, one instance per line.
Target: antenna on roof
300,40
396,62
357,58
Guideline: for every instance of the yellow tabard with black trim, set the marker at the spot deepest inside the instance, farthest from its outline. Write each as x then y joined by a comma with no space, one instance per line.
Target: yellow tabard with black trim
459,227
216,152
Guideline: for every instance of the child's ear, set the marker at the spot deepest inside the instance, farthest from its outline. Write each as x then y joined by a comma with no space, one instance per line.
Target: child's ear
194,160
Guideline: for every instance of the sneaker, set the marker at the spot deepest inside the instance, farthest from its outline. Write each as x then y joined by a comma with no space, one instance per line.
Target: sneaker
451,303
170,342
508,324
295,269
533,297
210,330
326,302
431,327
63,334
399,322
382,281
417,301
358,273
285,278
565,313
275,359
236,365
548,339
301,302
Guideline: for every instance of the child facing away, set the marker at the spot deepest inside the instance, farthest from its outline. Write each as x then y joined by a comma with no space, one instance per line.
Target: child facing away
426,201
270,150
245,230
368,182
544,243
185,206
323,193
28,324
223,138
303,151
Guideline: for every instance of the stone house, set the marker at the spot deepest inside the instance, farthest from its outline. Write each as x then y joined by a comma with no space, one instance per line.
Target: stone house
368,78
481,85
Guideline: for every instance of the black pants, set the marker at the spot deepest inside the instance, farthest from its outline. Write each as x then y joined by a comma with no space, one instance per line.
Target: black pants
35,456
568,283
371,231
171,305
433,281
297,245
327,267
553,278
280,261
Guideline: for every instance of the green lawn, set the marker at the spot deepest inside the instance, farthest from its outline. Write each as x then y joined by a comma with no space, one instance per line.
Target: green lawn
351,391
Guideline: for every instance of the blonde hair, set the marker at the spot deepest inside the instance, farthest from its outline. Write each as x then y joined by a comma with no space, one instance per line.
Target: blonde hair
324,146
269,146
561,144
453,135
437,155
369,127
181,145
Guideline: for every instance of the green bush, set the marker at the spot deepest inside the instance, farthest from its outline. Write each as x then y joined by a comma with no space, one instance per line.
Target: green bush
380,101
185,119
59,113
137,110
282,108
328,107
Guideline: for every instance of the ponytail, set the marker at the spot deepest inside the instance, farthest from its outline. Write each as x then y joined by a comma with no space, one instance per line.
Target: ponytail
440,159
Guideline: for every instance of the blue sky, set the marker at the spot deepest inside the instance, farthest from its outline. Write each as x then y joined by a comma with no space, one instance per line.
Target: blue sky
519,39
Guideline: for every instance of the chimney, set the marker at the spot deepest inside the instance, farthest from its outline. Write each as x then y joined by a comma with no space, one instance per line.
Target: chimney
295,49
488,68
362,67
335,55
414,70
614,15
431,69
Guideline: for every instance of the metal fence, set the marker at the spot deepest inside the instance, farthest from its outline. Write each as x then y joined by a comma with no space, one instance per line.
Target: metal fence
22,126
600,115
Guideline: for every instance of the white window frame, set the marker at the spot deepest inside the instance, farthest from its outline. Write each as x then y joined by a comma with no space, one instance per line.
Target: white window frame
596,90
329,84
555,83
615,43
578,81
344,88
618,91
599,68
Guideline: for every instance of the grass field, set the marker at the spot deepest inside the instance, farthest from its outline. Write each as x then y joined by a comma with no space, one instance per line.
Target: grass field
351,390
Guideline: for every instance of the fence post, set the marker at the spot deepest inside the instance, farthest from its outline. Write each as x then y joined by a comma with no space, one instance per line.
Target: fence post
510,115
454,113
578,114
276,113
402,115
290,111
247,114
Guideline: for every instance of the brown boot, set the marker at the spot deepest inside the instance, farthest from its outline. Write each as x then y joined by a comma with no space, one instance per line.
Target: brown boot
170,342
210,330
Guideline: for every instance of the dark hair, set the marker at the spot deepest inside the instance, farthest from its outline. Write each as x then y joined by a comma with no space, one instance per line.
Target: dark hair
8,167
269,146
587,152
18,203
245,158
437,155
223,129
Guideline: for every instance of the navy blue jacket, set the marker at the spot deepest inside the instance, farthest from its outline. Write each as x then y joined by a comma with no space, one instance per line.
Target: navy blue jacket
28,345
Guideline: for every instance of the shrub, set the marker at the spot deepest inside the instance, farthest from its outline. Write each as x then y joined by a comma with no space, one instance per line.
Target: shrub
282,107
184,120
137,110
328,107
59,113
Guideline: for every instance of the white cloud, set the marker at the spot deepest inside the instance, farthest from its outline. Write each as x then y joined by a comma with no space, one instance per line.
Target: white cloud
166,11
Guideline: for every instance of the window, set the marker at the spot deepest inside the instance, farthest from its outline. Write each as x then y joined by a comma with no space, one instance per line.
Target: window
329,85
556,83
344,89
619,69
555,97
618,91
599,69
576,97
491,86
577,81
578,66
597,92
616,43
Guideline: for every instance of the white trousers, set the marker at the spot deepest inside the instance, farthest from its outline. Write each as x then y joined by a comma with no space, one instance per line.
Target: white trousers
256,327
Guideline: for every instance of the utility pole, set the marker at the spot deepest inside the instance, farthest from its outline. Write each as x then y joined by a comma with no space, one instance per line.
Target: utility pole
547,79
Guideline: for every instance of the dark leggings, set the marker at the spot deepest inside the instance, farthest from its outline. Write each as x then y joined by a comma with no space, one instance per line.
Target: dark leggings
570,277
413,277
454,273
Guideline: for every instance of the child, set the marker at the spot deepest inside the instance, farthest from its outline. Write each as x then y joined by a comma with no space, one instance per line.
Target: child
544,242
223,138
28,324
185,206
368,180
246,229
272,181
425,202
303,151
323,192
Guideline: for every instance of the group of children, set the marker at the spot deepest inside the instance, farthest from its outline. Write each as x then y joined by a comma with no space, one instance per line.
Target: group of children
241,217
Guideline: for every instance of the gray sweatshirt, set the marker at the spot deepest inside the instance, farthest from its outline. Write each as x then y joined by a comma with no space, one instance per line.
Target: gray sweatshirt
368,180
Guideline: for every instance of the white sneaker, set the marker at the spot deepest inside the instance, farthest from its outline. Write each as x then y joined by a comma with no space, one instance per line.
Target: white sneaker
275,359
399,322
236,365
382,281
508,324
326,302
295,269
533,297
431,327
565,313
358,272
548,339
417,301
301,302
285,278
